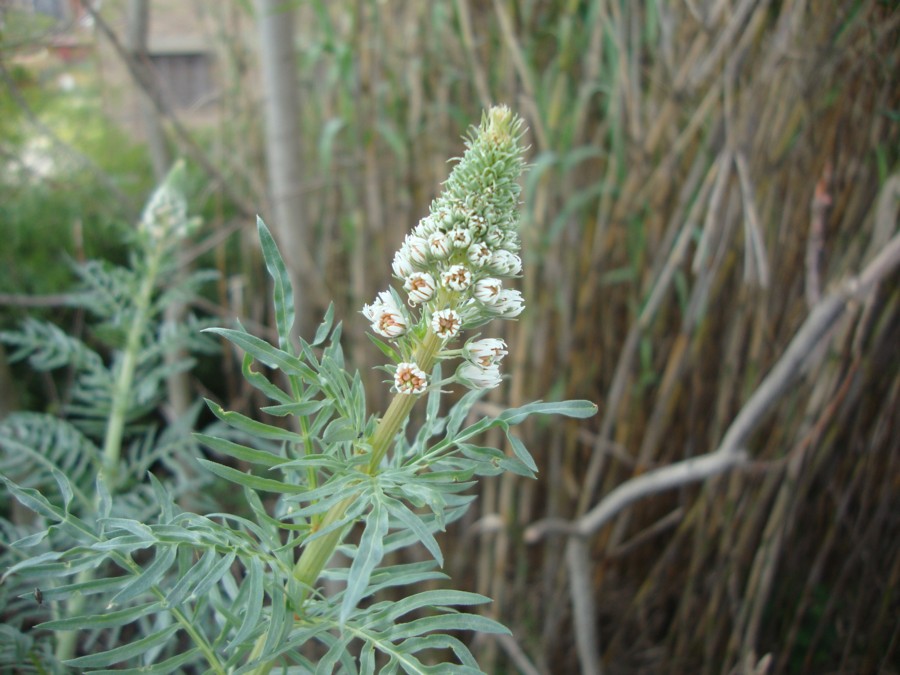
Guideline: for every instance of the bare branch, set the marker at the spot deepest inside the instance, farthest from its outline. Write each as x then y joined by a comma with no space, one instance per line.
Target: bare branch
675,475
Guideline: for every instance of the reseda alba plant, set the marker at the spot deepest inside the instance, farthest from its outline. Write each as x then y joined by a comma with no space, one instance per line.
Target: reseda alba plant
239,594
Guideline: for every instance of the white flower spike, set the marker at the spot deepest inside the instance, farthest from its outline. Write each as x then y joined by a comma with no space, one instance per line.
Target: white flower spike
454,263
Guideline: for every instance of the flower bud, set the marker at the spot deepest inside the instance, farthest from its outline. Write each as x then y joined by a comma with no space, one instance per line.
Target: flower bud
420,286
479,254
402,266
485,352
509,304
457,278
494,237
505,263
476,377
388,319
410,379
460,237
487,291
439,245
417,249
425,227
446,323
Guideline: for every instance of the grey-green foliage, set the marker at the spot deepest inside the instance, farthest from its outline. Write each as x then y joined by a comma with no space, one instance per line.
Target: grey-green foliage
218,591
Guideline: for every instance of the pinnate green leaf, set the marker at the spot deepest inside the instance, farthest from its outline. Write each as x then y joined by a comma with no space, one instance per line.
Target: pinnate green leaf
578,409
368,555
126,651
106,620
251,481
241,452
253,600
283,291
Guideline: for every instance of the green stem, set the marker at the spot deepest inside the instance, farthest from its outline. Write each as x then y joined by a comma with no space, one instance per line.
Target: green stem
115,427
318,552
112,445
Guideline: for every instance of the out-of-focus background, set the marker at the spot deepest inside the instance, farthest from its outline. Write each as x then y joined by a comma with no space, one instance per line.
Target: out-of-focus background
703,173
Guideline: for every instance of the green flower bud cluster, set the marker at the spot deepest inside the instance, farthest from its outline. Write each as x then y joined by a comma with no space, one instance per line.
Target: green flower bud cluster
453,263
164,220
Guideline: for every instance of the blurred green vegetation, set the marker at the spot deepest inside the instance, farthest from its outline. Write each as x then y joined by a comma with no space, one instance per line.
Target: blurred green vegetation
53,210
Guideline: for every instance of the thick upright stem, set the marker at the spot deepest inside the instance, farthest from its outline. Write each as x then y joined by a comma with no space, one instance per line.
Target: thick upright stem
112,444
318,552
115,427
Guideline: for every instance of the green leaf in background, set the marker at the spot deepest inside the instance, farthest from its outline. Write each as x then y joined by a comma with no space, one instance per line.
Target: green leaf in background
241,452
198,571
126,651
283,292
368,555
442,622
251,427
105,620
252,603
297,408
265,353
172,665
219,570
521,451
577,409
152,574
440,597
325,327
399,511
251,481
261,382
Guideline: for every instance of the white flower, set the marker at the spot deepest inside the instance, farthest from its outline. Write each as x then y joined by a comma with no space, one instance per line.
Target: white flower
478,226
488,290
476,377
511,240
479,254
410,379
505,263
509,304
485,352
402,266
417,249
425,227
388,319
421,287
494,236
439,245
446,323
457,278
460,237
